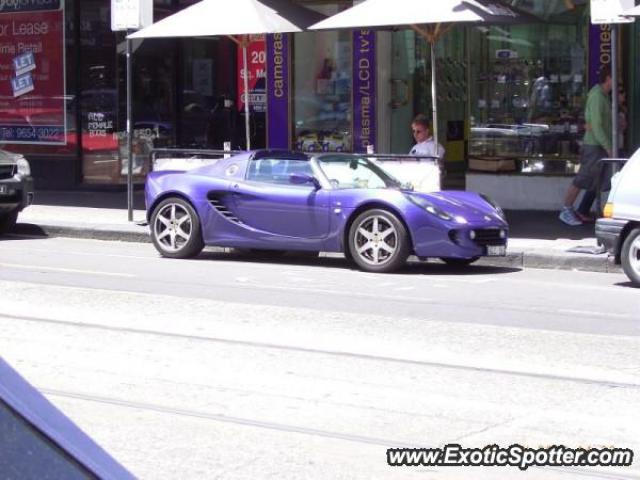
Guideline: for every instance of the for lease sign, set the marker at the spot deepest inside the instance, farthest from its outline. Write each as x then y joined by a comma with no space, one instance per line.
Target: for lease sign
32,72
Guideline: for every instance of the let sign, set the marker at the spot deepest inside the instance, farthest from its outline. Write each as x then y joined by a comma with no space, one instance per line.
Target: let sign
131,14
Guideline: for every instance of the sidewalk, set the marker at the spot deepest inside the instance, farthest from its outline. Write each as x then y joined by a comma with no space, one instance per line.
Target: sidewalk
537,239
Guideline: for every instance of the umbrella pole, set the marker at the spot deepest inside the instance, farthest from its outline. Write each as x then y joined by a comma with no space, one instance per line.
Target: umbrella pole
245,71
434,96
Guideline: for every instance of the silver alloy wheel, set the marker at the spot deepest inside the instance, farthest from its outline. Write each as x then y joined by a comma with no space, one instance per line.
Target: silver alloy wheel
634,255
376,240
173,227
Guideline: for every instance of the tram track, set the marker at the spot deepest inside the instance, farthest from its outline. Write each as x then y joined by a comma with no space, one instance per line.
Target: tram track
326,352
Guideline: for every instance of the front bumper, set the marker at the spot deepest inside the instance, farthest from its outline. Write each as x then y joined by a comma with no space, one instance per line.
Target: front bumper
16,193
458,242
608,232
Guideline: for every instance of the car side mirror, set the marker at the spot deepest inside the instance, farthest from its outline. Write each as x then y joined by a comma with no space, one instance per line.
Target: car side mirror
303,179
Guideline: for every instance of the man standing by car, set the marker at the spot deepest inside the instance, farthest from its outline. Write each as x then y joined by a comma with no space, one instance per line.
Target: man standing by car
426,146
596,145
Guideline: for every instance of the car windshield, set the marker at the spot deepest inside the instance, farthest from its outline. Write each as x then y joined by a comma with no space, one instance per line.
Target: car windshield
345,171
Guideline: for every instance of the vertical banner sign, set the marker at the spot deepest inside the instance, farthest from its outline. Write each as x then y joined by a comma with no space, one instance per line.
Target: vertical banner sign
599,50
32,72
257,73
278,113
364,90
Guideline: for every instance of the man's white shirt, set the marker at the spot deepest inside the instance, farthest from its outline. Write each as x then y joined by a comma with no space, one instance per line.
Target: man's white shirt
427,175
427,148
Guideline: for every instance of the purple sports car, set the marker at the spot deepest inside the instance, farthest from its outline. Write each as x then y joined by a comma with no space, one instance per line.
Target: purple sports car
272,200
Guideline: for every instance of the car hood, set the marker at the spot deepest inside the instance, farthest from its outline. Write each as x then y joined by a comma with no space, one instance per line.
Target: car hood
469,205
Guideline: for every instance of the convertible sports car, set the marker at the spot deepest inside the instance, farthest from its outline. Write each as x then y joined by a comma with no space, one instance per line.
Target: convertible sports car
279,201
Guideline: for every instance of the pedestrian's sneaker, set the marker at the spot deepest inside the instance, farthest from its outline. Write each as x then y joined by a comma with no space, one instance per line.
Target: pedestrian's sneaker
568,216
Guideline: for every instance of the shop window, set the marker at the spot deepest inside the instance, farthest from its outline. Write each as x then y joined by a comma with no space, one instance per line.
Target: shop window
322,72
527,94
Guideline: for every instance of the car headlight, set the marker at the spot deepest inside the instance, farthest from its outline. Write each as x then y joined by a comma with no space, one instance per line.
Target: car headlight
23,167
429,207
497,207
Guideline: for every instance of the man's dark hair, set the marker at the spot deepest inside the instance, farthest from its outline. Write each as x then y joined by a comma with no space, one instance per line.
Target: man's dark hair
603,73
422,120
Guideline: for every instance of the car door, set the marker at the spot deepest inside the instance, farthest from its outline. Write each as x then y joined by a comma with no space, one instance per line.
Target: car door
267,201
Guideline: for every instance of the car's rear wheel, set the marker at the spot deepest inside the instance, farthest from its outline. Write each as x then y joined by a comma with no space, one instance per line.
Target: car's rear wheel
378,241
630,256
175,229
459,262
8,221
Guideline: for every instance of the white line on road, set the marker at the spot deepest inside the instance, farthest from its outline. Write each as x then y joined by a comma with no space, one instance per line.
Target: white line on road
49,251
66,270
593,314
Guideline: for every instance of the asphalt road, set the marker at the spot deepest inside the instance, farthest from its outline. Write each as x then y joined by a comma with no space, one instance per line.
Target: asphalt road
228,366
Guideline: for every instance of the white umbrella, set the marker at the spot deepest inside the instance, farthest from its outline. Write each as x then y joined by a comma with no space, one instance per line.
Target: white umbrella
430,19
237,20
632,12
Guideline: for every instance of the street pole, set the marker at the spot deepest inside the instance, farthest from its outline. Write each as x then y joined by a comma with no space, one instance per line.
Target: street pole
245,74
614,90
434,97
129,133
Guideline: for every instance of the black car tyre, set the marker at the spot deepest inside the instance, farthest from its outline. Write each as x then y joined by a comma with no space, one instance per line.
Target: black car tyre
630,256
459,262
378,241
8,221
175,229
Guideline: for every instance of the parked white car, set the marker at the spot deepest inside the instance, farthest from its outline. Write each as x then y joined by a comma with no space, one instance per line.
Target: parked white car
619,230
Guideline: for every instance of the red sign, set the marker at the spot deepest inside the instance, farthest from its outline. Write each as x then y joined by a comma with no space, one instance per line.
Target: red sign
32,86
256,68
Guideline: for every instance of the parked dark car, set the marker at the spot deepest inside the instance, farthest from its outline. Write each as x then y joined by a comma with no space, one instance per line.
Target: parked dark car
16,188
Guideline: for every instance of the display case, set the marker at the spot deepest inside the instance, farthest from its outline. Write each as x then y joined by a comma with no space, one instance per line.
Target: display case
527,95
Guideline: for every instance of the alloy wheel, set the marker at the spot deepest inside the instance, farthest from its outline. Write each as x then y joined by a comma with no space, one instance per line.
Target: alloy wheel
376,240
173,227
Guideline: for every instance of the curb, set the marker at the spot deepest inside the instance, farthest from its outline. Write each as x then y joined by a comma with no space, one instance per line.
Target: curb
108,234
514,259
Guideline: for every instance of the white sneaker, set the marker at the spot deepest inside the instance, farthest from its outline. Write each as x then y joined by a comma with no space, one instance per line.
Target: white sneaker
568,216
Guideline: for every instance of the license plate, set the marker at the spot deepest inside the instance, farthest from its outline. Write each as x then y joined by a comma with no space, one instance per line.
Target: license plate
4,189
496,250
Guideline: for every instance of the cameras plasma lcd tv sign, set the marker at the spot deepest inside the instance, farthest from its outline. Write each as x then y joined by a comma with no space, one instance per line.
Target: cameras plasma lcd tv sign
32,72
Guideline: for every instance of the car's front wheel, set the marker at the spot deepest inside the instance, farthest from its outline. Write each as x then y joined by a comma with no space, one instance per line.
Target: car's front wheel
7,221
175,229
378,241
630,256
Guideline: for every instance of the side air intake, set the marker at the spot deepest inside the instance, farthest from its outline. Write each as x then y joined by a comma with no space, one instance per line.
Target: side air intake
217,201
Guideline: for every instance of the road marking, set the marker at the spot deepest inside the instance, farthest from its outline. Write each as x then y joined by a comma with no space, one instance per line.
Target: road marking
591,313
66,270
85,254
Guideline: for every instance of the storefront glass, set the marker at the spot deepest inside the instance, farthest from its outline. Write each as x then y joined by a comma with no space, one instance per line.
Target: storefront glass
36,71
527,91
322,80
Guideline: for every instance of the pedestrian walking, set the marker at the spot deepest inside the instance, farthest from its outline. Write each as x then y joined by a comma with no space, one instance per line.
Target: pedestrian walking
596,145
